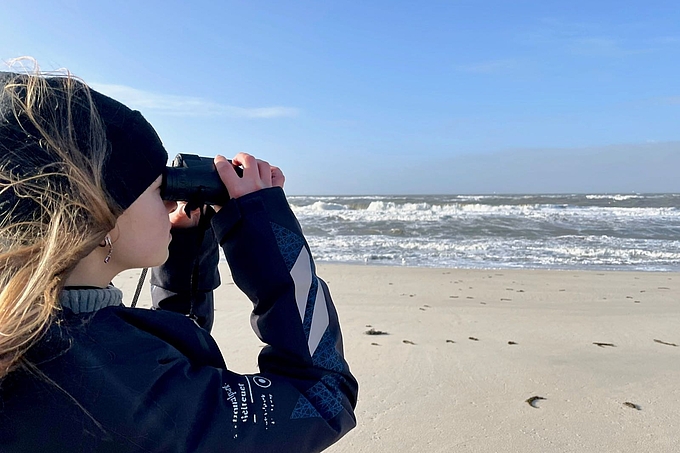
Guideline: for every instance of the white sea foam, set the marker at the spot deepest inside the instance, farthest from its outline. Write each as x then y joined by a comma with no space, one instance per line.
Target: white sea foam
390,211
325,206
613,197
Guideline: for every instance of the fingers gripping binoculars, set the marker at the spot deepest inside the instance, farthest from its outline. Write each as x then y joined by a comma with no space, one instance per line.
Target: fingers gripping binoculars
194,179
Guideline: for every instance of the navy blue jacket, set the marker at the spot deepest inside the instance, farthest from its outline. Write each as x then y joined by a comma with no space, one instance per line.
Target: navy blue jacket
135,380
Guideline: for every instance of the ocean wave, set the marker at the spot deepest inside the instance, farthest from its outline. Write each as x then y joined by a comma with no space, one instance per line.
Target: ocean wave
390,211
491,254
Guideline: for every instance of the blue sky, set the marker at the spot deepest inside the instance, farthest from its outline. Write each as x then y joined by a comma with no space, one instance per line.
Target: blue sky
355,97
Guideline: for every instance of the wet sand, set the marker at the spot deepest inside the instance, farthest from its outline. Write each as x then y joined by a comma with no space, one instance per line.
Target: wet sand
494,361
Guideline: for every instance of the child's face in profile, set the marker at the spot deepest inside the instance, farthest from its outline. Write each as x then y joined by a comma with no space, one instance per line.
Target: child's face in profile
143,231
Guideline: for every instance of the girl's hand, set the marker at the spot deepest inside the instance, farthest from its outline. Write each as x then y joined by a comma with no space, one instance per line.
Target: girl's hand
179,218
257,175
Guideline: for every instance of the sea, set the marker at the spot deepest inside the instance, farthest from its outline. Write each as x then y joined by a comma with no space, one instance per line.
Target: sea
638,232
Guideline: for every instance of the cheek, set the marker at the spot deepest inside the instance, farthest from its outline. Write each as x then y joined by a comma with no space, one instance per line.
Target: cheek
163,214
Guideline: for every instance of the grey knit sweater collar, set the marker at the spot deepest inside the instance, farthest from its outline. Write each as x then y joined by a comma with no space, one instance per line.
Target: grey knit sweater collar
90,299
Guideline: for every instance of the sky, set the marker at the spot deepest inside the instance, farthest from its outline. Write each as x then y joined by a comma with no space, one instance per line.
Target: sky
388,97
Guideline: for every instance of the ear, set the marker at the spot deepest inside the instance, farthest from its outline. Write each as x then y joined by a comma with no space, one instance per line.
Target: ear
114,234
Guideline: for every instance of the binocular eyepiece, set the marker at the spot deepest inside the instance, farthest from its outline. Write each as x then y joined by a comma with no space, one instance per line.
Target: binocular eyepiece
194,179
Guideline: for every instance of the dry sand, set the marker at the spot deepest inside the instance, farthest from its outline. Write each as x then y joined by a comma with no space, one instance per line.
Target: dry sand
465,349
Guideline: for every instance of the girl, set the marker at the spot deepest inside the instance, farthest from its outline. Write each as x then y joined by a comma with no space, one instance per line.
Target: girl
80,201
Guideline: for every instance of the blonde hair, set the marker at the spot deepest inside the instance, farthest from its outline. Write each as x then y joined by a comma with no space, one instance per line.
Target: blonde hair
54,206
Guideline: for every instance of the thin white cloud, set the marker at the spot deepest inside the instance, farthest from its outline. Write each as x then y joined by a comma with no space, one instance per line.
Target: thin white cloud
603,47
488,67
598,39
673,100
187,105
672,40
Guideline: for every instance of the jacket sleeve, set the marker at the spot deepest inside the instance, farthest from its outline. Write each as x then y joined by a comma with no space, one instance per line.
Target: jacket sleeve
185,282
293,314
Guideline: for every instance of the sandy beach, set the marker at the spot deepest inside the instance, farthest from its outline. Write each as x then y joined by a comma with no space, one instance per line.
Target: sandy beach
494,360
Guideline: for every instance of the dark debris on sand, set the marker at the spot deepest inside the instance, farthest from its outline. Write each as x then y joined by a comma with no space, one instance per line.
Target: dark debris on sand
532,401
373,331
602,345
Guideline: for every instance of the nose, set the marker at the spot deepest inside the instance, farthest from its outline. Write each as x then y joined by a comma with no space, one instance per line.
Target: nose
170,205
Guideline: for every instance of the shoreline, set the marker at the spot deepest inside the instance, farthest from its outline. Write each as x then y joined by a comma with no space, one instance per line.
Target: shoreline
590,269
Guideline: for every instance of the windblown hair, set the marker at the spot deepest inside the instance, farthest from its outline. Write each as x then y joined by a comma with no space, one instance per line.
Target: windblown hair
54,209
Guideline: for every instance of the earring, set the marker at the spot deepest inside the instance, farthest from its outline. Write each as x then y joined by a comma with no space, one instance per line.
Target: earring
107,242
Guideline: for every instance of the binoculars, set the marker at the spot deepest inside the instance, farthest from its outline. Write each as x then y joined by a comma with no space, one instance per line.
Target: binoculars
194,179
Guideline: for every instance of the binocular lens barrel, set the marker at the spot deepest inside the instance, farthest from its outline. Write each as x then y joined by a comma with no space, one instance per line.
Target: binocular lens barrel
194,179
188,184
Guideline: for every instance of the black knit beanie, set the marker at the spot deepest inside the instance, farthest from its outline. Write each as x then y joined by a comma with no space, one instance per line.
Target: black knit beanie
136,156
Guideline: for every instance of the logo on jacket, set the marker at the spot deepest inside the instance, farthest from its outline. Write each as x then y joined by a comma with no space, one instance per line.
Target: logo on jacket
262,381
